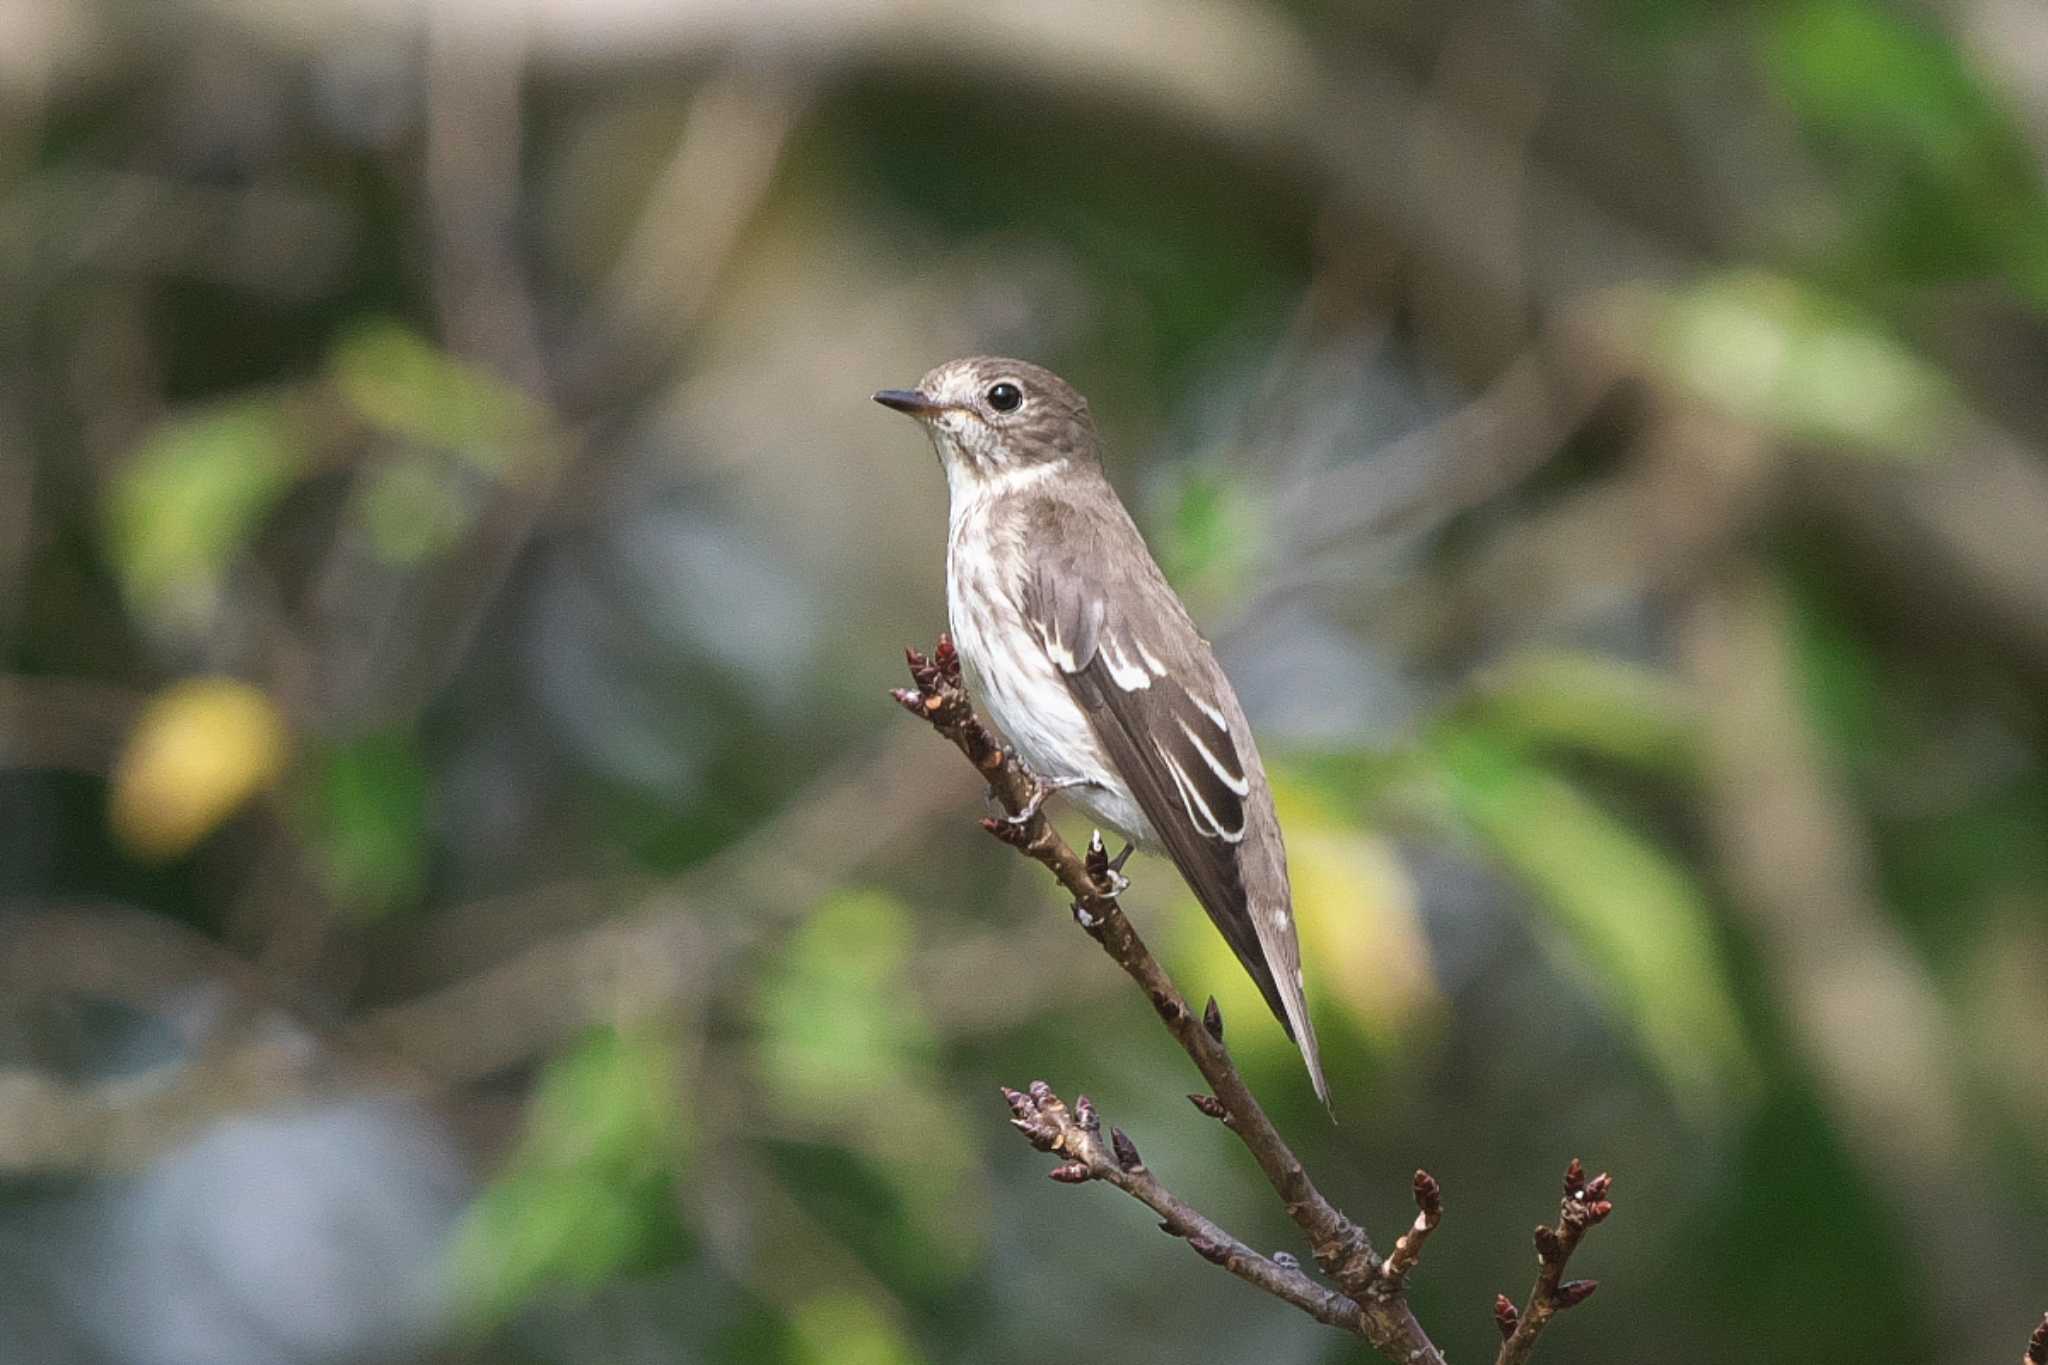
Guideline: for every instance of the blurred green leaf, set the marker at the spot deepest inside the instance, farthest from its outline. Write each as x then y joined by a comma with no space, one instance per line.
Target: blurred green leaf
1774,351
919,1225
842,1328
1954,823
612,1103
1216,256
1591,703
1207,536
369,818
1799,1188
404,385
1854,64
1941,176
1845,685
187,502
414,509
841,1022
1661,22
837,1017
1379,780
1635,920
589,1193
570,1228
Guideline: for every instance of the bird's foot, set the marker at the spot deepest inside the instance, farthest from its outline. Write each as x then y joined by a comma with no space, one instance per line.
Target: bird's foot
1040,789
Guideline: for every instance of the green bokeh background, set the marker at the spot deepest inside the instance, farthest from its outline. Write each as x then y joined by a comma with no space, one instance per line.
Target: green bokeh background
1606,442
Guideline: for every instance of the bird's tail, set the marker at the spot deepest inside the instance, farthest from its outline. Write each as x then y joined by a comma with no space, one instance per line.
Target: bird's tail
1280,982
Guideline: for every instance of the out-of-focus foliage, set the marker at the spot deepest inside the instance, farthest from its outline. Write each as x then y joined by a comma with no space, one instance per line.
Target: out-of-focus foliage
846,1050
198,750
368,811
1938,183
188,500
450,568
1358,911
588,1192
1636,924
1773,353
406,388
837,1019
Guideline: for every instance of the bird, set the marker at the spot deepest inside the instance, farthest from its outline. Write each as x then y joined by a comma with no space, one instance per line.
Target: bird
1090,666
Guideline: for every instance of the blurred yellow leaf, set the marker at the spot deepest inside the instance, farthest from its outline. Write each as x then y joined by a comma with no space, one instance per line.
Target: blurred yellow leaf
1202,963
1362,946
200,749
1356,910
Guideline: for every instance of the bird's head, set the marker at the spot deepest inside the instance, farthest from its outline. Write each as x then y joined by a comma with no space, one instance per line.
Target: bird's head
995,421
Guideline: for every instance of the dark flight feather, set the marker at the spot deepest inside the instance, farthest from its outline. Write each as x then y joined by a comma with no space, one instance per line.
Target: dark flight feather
1165,737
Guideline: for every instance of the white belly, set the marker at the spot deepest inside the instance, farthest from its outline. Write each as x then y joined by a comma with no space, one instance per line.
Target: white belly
1017,685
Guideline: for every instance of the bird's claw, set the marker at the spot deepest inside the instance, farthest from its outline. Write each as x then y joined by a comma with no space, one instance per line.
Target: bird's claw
1040,789
1023,817
1108,871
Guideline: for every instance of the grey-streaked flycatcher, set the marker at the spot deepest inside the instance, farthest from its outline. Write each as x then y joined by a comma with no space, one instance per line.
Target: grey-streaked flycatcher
1089,664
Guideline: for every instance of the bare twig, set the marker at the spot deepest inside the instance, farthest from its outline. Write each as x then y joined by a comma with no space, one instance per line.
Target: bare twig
1585,1203
1429,1202
1370,1298
1076,1134
1341,1247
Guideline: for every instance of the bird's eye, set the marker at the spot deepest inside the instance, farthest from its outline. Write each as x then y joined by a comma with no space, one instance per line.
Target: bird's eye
1004,397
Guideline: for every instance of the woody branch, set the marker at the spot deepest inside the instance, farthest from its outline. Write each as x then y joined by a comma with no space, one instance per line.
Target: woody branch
1369,1299
1585,1204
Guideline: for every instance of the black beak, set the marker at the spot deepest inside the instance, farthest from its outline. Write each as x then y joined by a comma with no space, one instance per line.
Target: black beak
907,400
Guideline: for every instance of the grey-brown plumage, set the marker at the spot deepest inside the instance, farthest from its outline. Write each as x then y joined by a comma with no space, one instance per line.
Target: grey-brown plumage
1089,664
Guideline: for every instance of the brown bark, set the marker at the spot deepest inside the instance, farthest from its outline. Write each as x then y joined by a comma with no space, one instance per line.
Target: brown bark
1369,1299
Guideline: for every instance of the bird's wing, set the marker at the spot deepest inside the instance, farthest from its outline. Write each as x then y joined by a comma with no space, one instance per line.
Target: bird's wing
1153,695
